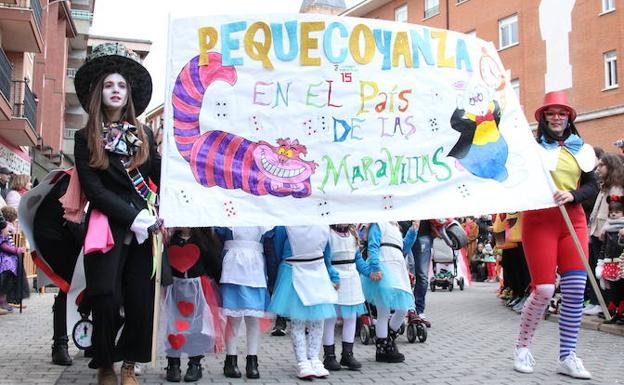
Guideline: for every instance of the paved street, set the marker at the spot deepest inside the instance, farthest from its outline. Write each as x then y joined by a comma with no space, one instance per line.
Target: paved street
470,343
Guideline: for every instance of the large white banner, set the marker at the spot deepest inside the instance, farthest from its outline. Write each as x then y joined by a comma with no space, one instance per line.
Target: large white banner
300,119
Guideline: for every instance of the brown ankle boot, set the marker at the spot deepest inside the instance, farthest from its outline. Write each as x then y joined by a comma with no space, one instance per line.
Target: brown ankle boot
127,376
107,376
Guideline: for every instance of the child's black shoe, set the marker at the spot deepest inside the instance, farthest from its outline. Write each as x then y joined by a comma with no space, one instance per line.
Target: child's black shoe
329,358
251,368
230,367
347,359
193,372
174,374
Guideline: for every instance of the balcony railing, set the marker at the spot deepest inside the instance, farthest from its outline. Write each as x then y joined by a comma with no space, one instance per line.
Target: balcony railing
71,72
6,69
24,103
79,14
432,11
30,4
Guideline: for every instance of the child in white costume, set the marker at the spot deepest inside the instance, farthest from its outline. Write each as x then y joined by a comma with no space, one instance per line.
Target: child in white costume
389,285
348,261
305,291
244,292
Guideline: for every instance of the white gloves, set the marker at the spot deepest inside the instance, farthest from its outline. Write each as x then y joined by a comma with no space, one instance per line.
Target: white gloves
142,223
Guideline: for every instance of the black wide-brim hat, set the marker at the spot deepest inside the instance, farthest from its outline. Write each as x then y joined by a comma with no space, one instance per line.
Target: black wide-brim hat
111,58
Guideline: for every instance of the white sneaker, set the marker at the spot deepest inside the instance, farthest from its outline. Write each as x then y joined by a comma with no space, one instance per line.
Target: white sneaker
592,310
319,368
138,370
305,371
523,360
573,366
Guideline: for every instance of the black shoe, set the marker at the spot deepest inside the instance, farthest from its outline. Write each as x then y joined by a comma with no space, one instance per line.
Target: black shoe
230,368
329,358
60,355
347,359
251,368
387,352
174,374
194,371
279,330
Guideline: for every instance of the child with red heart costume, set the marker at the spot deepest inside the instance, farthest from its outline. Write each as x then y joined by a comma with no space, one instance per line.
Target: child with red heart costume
191,318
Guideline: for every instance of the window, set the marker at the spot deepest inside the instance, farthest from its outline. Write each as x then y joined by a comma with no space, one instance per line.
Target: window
508,31
400,14
515,85
610,68
608,6
432,8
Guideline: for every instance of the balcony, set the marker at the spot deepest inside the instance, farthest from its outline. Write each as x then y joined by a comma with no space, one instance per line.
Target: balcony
20,130
20,22
83,20
6,69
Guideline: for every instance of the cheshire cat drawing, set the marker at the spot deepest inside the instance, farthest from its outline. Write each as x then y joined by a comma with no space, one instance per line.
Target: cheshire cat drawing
220,158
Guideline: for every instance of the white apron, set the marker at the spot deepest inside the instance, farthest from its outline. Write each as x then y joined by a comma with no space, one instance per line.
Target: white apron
343,249
392,257
243,261
310,278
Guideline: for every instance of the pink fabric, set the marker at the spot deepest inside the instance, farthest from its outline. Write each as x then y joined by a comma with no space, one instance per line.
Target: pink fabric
99,236
74,201
532,313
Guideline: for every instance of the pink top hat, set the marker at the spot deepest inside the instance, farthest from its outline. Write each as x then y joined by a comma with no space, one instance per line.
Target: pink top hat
558,99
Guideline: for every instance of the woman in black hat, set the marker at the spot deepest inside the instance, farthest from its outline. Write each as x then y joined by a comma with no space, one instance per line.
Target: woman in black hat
116,158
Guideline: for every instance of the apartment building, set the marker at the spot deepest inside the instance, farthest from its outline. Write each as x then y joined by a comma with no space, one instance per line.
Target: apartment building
21,37
534,55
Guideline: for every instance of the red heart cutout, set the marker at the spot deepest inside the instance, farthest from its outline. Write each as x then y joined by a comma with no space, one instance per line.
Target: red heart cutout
186,308
176,340
181,325
184,257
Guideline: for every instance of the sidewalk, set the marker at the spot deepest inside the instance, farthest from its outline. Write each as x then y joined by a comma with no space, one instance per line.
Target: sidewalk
470,343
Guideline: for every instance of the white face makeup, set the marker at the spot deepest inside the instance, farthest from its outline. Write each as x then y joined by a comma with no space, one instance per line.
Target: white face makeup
557,119
114,92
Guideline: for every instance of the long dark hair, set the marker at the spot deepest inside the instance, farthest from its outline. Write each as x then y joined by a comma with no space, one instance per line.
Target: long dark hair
99,158
615,171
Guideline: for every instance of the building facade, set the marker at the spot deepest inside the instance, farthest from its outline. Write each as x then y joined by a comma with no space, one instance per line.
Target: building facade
155,119
584,62
21,37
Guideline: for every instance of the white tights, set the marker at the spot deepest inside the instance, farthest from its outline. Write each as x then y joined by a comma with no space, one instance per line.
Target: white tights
252,326
306,347
383,313
348,330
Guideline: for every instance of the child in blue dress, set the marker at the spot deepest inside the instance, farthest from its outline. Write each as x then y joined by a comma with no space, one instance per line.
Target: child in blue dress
388,287
348,261
244,292
305,291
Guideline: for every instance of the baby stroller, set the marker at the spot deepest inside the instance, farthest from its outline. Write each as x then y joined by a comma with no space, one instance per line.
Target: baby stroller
415,328
445,278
